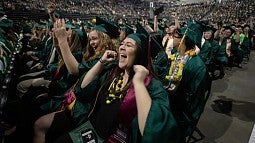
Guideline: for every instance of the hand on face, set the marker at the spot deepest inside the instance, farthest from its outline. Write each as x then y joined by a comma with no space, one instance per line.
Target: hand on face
174,15
60,31
140,73
109,56
237,31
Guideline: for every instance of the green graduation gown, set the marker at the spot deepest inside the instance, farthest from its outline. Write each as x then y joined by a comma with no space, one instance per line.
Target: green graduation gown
188,101
160,125
221,55
206,52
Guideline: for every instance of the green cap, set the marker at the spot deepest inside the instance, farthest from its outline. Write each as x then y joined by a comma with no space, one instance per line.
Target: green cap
107,27
50,24
6,24
89,25
2,31
69,25
127,28
40,24
142,52
57,15
140,39
194,31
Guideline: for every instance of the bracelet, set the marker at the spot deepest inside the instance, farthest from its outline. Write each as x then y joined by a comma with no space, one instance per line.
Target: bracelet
102,62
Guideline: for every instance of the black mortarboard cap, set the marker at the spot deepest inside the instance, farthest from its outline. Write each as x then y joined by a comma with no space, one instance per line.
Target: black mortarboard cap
153,47
239,26
210,28
159,10
206,26
229,28
155,39
246,25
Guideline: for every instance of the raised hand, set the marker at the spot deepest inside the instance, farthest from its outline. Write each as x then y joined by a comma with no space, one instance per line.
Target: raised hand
109,56
174,15
51,8
60,30
140,74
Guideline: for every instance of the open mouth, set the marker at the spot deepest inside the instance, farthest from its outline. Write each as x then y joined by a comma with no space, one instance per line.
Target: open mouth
123,56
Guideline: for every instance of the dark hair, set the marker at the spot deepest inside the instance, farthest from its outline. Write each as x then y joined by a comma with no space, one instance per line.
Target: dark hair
189,43
141,56
74,45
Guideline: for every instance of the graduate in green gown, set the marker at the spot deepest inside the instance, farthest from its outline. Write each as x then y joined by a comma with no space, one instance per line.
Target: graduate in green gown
225,45
99,40
186,80
133,105
209,49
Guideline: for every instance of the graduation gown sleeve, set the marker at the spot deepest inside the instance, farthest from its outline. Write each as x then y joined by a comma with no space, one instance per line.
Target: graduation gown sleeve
160,124
188,102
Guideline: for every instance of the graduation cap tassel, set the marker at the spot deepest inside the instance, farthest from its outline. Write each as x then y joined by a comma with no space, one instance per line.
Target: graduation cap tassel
149,66
182,38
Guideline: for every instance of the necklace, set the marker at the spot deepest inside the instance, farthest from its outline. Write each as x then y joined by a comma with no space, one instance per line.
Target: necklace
177,64
115,89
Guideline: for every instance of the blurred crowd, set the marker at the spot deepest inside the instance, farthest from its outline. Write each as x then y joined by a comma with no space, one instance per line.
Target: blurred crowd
230,10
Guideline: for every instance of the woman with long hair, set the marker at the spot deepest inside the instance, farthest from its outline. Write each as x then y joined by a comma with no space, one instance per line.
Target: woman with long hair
121,100
99,41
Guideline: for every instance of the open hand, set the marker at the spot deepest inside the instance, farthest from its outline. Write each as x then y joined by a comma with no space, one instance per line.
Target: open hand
60,30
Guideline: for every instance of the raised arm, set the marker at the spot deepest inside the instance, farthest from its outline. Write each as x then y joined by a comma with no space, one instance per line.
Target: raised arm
61,34
176,20
155,28
51,9
108,56
142,96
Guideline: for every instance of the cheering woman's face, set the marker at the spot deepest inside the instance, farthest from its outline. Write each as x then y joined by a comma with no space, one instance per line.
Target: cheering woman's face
127,53
94,39
208,35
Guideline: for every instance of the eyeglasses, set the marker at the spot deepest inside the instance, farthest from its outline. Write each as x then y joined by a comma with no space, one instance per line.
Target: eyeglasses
177,36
